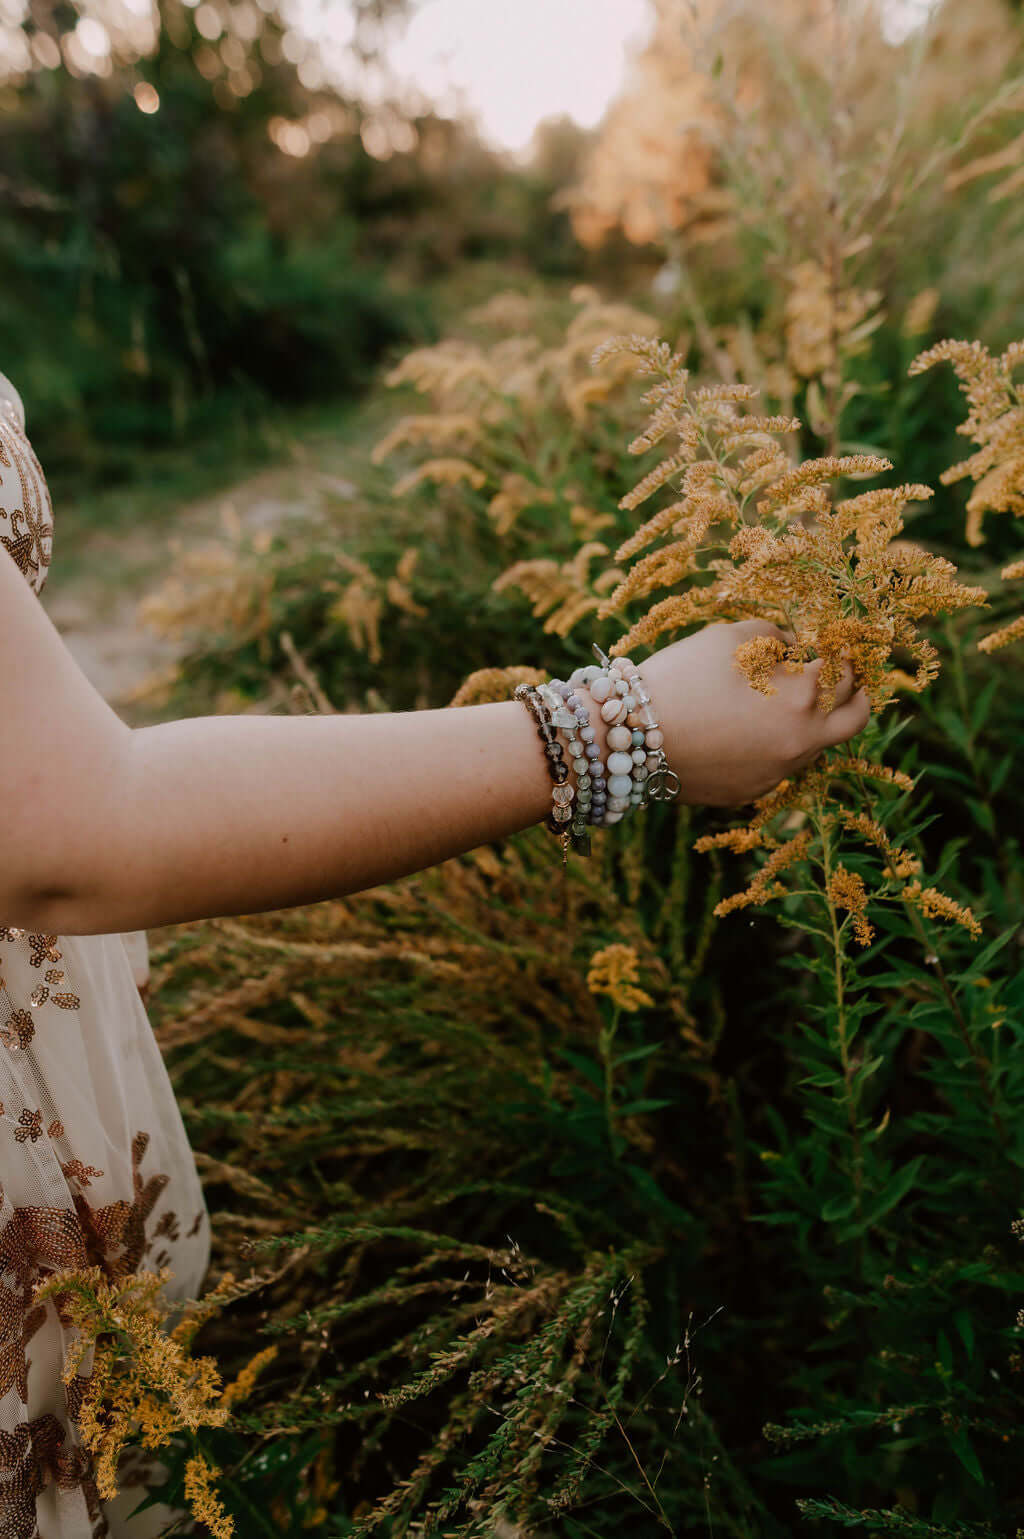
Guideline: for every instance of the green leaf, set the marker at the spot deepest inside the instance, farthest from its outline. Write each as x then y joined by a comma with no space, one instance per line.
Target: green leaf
961,1446
965,1326
839,1207
634,1108
636,1052
586,1066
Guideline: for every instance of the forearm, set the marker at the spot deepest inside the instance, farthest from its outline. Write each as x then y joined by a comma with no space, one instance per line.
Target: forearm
242,814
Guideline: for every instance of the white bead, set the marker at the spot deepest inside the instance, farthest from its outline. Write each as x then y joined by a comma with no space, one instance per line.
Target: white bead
618,803
612,817
600,689
639,756
619,763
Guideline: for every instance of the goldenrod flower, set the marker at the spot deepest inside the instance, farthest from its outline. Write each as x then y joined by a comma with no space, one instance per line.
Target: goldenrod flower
847,891
203,1499
615,970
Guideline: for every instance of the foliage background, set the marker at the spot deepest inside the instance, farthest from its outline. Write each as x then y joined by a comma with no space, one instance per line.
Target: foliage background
541,1258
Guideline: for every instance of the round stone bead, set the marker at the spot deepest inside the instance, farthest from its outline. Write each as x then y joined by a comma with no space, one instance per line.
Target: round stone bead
600,689
619,785
562,795
599,778
583,781
580,765
618,803
629,702
639,772
583,800
588,734
655,738
619,763
576,677
582,715
613,711
612,817
626,666
561,773
572,699
619,737
639,756
592,751
621,687
590,673
638,738
561,814
653,760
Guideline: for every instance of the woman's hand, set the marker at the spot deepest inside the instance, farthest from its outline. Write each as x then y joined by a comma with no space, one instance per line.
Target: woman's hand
727,742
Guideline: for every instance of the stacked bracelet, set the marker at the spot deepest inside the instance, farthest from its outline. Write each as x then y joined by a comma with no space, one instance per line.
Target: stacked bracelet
562,793
636,770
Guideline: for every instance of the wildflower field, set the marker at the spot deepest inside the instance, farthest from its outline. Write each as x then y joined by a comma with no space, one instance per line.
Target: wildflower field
680,1191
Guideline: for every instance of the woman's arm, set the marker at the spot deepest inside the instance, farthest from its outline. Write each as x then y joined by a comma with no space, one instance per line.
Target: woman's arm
113,829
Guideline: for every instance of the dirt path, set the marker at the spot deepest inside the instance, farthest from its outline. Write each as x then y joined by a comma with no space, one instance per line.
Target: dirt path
94,602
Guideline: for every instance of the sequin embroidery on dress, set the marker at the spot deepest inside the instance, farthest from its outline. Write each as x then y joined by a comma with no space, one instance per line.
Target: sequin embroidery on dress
95,1164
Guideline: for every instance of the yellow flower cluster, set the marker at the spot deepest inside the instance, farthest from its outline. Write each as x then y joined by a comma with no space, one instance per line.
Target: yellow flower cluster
847,891
752,534
491,684
995,422
615,971
203,1499
812,805
143,1385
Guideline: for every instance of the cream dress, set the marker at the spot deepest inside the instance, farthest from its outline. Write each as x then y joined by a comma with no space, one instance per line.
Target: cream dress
95,1164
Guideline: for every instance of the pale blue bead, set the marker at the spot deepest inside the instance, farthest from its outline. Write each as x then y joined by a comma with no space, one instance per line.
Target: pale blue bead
638,738
619,785
619,763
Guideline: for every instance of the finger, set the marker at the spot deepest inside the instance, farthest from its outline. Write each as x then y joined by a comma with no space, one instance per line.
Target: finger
846,720
845,687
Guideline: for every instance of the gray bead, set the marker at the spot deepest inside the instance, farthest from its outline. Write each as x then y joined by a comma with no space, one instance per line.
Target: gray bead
592,751
588,734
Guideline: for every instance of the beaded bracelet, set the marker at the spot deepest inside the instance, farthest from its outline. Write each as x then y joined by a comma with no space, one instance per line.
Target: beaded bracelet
569,713
628,710
637,770
562,793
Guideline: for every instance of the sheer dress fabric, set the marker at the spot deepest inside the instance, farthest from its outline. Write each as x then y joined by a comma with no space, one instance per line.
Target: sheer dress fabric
95,1164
